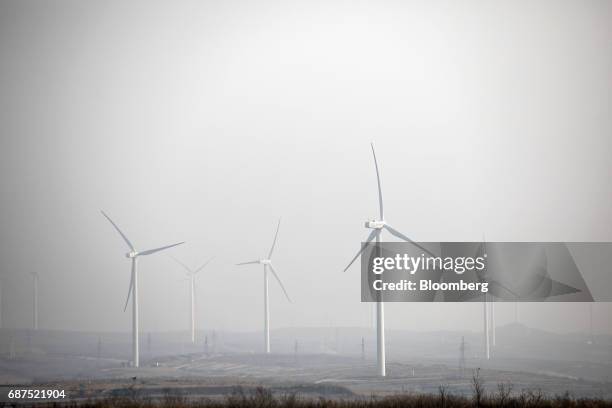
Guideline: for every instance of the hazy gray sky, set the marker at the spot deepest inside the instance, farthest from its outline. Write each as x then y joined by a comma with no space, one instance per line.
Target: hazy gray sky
205,121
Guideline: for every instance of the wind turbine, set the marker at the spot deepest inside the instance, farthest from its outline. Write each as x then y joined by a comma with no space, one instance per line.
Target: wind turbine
495,286
267,264
133,289
34,300
377,226
191,274
487,346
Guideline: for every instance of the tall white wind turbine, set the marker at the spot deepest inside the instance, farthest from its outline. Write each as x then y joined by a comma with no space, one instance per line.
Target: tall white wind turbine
267,264
133,289
191,274
377,226
34,300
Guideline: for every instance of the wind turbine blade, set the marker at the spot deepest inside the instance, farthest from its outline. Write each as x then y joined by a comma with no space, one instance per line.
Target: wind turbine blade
405,238
369,239
189,271
380,198
127,241
248,263
203,266
152,251
279,282
131,285
483,276
274,242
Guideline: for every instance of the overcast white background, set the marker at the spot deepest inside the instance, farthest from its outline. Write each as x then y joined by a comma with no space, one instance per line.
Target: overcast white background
207,121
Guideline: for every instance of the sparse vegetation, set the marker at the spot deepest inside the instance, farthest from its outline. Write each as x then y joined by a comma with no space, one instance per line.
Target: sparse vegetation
264,398
477,388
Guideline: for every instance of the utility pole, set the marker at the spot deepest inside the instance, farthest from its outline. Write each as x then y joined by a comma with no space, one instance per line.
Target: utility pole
35,300
462,357
362,349
206,345
0,303
336,342
12,348
29,341
515,311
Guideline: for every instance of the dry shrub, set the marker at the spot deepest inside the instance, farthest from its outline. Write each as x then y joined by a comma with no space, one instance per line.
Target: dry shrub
264,398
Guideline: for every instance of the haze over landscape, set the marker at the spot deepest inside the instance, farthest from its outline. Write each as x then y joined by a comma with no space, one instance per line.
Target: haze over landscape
206,122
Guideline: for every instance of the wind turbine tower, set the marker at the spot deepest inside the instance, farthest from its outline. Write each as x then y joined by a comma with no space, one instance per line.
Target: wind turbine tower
591,338
493,327
133,255
487,349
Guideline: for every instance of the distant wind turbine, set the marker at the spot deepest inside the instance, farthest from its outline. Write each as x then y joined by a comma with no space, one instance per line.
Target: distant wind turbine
133,289
191,274
34,300
483,278
487,346
377,226
495,288
516,316
0,302
267,264
591,337
493,325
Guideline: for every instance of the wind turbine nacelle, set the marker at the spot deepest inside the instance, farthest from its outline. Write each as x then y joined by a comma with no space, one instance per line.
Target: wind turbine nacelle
132,254
265,261
373,224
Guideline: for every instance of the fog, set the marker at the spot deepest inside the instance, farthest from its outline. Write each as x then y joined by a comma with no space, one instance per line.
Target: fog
206,122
